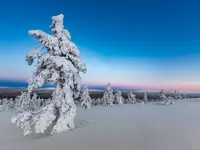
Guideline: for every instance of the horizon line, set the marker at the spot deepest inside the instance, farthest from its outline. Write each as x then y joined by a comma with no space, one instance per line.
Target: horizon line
119,86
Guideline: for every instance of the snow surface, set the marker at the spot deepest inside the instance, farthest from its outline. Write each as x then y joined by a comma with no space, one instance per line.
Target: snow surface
121,127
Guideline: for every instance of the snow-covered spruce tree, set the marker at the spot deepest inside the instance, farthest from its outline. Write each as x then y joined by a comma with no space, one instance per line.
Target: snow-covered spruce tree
184,96
96,101
99,101
161,92
60,64
35,102
162,96
41,102
85,99
11,103
118,97
177,95
145,98
165,100
131,98
6,103
108,96
93,102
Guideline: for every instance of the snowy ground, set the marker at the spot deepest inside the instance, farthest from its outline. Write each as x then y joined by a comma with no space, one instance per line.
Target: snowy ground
121,127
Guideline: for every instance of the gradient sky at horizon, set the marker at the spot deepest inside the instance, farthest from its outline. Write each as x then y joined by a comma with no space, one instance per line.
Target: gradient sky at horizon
131,43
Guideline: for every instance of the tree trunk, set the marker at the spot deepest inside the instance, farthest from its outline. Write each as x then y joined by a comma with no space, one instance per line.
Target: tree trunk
65,109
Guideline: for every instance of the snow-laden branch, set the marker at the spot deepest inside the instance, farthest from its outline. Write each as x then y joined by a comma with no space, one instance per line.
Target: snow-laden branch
47,40
78,63
33,54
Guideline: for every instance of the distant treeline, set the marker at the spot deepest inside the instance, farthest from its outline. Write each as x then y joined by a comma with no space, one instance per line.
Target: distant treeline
46,93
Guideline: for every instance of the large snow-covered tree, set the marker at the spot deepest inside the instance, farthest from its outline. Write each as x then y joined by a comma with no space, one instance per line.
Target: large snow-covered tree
118,97
131,98
58,64
85,99
108,96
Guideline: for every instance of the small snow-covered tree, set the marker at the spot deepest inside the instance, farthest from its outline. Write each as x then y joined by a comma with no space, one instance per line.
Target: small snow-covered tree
20,101
145,99
1,101
59,64
161,92
184,96
11,103
163,97
40,102
6,103
131,98
94,102
108,97
35,101
177,95
118,97
99,101
85,99
166,100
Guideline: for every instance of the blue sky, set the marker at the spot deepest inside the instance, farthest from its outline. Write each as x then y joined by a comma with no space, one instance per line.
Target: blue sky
130,43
